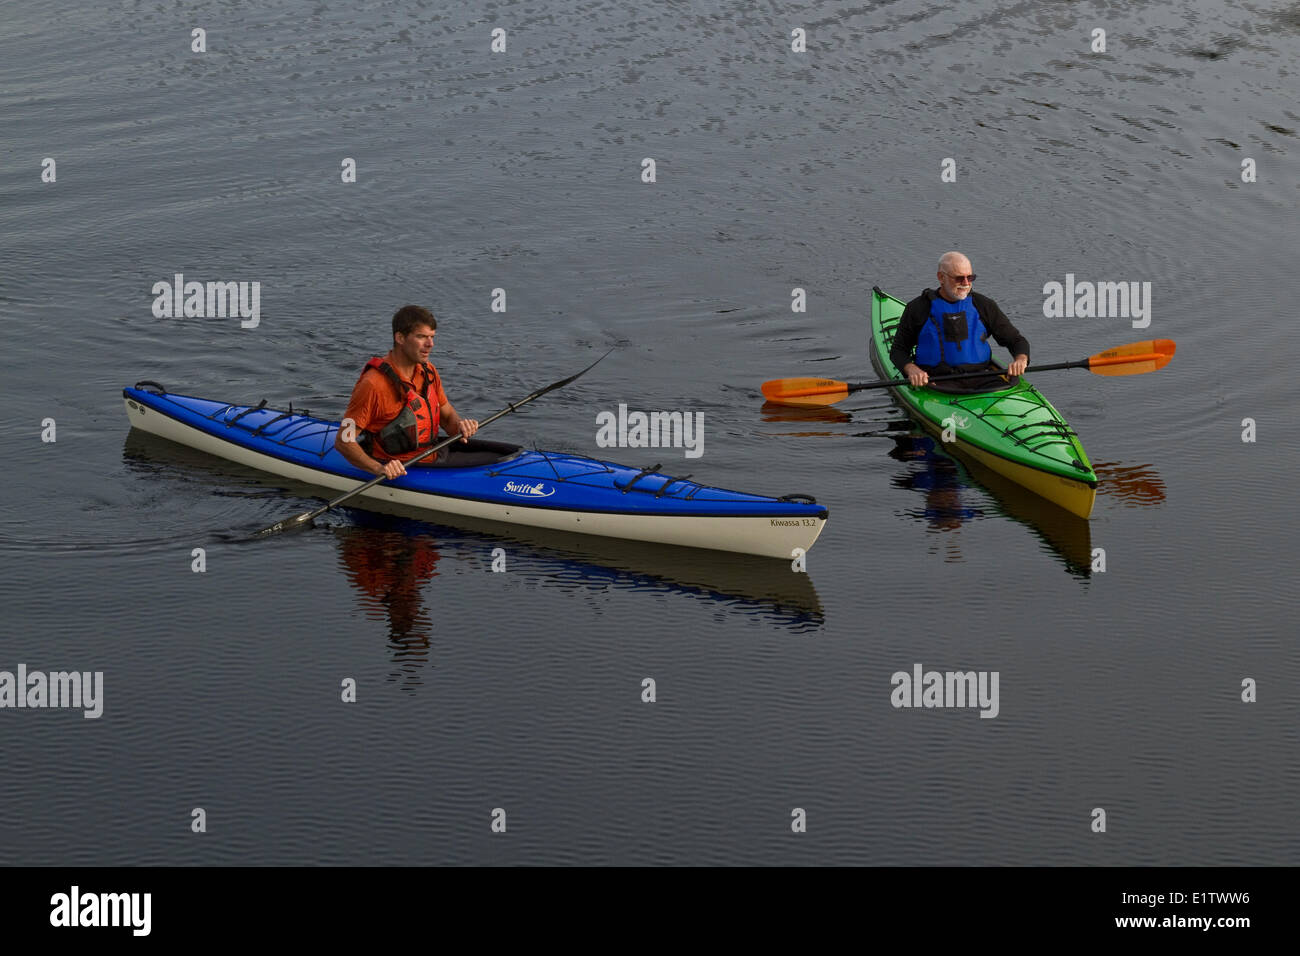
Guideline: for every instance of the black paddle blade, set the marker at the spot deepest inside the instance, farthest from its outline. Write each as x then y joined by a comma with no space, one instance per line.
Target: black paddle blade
565,381
288,524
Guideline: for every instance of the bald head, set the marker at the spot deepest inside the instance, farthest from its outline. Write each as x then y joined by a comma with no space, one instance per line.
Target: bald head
951,266
954,262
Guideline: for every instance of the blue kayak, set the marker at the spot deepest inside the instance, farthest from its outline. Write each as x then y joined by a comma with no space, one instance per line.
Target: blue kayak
506,483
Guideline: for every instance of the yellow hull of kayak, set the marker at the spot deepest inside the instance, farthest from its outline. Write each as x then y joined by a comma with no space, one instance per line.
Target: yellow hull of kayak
1076,497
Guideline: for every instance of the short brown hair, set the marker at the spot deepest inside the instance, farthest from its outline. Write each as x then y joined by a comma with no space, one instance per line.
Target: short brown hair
409,316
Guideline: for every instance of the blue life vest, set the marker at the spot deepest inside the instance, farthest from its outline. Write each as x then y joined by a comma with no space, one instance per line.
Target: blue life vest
953,334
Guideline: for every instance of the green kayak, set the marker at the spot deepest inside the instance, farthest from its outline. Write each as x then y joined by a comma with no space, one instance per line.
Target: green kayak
1015,432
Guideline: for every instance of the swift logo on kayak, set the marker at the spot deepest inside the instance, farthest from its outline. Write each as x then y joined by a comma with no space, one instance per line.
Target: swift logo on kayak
523,490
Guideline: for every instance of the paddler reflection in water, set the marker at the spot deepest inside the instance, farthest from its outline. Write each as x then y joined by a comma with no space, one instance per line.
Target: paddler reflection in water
389,568
398,405
949,328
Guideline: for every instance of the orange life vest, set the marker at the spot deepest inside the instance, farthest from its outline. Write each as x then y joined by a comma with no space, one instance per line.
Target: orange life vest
416,425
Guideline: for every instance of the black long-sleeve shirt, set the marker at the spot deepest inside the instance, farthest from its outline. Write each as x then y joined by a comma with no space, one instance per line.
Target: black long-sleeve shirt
917,314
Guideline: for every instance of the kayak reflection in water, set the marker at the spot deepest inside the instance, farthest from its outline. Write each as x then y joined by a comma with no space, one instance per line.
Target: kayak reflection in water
398,402
948,329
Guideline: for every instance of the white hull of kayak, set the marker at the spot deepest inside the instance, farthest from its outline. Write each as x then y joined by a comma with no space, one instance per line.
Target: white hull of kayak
764,536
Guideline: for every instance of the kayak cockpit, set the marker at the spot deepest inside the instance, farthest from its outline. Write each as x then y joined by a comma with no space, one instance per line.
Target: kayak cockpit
474,453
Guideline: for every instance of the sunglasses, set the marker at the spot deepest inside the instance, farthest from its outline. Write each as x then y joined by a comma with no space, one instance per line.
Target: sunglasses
962,279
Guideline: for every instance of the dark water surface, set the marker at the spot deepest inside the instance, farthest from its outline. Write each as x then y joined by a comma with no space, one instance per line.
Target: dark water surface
522,171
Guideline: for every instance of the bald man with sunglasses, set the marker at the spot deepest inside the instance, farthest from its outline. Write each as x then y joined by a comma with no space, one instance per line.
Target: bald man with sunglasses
946,330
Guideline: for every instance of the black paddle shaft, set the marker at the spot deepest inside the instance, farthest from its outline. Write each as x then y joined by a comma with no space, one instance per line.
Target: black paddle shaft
889,383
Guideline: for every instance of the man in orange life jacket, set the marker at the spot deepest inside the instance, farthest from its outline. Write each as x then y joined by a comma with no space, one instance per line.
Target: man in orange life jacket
949,328
398,402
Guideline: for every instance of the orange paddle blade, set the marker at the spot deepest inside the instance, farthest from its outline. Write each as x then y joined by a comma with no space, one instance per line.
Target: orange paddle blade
805,391
1136,358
